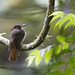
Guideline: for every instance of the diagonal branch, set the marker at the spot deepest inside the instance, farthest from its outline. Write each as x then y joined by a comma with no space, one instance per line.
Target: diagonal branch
40,39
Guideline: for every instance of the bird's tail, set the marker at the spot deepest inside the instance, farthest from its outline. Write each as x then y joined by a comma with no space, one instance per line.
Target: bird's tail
13,54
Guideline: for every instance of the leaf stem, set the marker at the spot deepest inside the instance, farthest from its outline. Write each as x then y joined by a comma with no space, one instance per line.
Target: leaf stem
67,61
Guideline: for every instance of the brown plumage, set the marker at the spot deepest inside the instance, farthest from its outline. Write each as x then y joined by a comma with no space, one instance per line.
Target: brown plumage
16,39
13,54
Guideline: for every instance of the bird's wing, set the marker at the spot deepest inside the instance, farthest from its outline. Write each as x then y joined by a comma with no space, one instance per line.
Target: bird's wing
17,37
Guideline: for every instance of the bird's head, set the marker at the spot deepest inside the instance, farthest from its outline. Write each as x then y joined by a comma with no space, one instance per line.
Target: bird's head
18,26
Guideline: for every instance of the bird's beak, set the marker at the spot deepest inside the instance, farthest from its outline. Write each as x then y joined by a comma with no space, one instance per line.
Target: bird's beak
23,25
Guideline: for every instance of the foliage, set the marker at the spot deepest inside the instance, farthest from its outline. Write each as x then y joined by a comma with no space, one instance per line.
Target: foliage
69,19
48,55
68,71
54,52
55,73
72,62
34,55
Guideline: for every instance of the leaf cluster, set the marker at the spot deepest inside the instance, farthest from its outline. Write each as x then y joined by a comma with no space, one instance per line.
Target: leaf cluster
52,52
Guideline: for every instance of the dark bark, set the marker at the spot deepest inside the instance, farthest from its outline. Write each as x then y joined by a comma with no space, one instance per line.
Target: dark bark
44,30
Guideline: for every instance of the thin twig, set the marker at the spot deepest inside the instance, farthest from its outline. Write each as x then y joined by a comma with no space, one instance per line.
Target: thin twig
67,61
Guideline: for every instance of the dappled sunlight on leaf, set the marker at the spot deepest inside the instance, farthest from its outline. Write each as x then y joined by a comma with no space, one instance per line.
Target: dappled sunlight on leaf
35,52
61,39
38,59
67,19
30,60
48,55
65,46
57,50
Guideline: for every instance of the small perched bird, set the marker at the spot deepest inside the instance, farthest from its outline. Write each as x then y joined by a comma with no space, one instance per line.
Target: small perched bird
16,39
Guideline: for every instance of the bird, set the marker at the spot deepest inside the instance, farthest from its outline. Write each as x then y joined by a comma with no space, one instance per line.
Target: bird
16,39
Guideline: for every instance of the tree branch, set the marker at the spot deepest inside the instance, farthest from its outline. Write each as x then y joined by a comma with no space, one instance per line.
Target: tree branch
40,39
4,41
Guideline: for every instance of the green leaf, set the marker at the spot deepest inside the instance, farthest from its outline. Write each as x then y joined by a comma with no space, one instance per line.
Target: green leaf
61,39
65,46
35,52
48,55
73,33
57,50
68,71
30,60
55,73
57,64
58,23
66,51
73,23
74,50
56,13
56,17
38,59
72,62
70,38
65,19
68,24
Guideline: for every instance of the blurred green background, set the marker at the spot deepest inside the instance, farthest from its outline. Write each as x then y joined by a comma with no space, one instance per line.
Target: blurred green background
32,13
